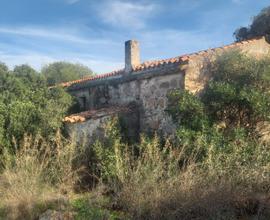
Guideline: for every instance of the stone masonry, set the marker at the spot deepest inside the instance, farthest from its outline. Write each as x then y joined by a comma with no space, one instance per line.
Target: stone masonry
146,85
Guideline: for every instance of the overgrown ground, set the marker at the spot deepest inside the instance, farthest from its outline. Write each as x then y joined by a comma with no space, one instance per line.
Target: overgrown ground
41,176
148,185
217,166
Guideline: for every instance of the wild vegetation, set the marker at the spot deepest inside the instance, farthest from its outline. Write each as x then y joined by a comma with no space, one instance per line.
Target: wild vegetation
36,176
28,106
216,167
58,72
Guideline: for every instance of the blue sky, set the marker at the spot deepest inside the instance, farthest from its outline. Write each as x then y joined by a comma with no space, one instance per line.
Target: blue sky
92,32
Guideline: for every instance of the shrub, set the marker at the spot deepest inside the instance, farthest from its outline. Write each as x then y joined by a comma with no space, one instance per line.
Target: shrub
109,153
187,110
27,105
238,94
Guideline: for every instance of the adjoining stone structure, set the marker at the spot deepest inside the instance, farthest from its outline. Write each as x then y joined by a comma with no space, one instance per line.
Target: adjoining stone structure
146,85
87,126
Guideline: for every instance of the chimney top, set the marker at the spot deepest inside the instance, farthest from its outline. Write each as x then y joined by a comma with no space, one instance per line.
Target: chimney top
132,55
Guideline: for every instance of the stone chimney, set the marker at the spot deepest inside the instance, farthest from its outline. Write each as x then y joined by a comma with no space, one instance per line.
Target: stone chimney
132,55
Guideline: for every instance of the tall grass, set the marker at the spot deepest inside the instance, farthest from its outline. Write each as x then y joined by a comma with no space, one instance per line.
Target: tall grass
210,190
149,180
162,181
39,174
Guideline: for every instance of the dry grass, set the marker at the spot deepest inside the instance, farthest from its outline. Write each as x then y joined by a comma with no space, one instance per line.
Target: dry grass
38,176
224,185
191,196
153,181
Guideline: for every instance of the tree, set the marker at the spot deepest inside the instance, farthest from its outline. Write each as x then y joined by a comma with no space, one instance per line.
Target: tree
28,75
63,72
28,106
260,26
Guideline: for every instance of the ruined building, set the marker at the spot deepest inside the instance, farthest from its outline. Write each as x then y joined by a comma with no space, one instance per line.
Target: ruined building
138,92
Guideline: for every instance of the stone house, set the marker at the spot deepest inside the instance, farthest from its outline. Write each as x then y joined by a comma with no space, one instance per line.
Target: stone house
139,91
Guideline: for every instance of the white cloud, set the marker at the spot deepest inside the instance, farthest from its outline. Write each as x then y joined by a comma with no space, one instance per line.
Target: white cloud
35,60
126,14
154,45
99,65
38,46
53,34
38,60
45,33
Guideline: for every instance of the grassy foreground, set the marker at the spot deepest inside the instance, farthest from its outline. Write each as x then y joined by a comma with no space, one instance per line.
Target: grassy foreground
41,176
148,184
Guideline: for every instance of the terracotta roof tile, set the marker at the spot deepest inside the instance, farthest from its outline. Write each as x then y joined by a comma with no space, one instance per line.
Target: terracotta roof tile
157,63
92,78
94,114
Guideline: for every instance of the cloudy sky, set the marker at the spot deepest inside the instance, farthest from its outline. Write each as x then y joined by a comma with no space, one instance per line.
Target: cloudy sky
92,32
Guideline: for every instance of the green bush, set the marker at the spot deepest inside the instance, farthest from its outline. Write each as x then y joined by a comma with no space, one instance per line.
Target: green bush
187,110
27,105
108,153
238,94
87,209
236,98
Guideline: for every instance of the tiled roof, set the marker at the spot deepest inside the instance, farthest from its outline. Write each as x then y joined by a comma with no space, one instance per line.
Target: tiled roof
157,63
94,114
91,78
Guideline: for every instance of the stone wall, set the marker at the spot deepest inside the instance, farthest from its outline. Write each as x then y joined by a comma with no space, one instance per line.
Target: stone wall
153,100
88,129
87,132
197,72
148,88
108,94
148,92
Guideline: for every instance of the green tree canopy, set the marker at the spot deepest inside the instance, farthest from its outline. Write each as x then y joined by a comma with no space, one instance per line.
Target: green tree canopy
28,106
239,91
260,26
64,71
236,97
